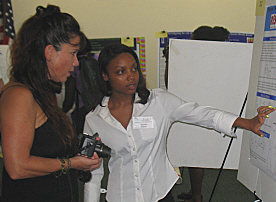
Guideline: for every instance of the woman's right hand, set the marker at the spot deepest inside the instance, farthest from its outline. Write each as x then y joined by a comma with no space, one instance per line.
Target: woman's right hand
84,163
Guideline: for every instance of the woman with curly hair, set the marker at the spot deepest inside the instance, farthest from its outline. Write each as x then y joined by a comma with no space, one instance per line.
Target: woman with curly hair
38,141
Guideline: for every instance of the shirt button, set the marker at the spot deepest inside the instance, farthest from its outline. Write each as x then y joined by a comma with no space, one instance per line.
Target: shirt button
138,189
135,161
133,149
136,175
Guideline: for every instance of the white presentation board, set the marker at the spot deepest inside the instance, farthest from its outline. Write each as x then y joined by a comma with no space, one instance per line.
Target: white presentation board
249,175
210,73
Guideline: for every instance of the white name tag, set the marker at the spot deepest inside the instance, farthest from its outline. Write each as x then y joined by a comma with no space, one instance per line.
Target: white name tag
142,122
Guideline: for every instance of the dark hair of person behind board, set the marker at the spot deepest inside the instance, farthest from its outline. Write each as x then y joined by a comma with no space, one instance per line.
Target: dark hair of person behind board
202,33
48,26
106,56
208,33
221,33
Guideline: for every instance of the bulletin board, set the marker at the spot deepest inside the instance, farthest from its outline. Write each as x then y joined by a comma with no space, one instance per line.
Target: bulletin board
254,177
136,43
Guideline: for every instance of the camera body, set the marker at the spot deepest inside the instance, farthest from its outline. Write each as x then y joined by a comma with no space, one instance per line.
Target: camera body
87,146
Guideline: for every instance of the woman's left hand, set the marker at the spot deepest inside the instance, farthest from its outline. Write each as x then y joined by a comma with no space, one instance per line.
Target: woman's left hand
258,121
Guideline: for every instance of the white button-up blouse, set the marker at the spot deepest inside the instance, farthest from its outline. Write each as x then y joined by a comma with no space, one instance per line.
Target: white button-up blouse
139,167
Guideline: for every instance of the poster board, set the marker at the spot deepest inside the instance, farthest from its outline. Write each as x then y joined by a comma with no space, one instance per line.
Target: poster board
263,150
249,175
240,37
210,73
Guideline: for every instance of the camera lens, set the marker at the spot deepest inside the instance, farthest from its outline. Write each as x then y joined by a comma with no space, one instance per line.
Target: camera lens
103,150
84,176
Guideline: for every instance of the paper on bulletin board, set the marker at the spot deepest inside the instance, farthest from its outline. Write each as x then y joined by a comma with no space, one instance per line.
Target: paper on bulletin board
128,41
260,7
4,62
214,74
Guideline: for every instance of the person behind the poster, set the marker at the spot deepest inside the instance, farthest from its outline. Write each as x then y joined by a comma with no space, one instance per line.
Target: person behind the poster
134,122
205,33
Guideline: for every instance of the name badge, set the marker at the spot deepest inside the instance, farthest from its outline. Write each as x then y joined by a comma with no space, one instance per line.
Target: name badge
142,122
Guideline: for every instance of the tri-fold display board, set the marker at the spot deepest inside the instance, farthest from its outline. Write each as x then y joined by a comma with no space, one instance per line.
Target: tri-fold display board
214,74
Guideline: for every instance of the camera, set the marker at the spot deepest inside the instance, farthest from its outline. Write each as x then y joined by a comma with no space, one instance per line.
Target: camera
87,146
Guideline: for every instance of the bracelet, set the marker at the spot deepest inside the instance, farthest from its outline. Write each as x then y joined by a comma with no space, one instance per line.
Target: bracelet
62,165
63,169
68,164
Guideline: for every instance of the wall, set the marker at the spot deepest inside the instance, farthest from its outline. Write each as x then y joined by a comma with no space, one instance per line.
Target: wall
133,18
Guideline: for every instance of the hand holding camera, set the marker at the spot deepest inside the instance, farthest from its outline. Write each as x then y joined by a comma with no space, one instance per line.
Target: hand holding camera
87,146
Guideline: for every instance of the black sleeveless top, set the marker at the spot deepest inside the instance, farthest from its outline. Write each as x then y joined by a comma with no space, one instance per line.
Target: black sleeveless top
47,143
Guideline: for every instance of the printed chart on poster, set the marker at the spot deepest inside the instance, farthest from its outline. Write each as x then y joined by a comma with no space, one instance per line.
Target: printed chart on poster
263,149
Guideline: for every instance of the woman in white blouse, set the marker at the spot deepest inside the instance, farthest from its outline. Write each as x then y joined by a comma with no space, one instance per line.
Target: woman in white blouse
134,122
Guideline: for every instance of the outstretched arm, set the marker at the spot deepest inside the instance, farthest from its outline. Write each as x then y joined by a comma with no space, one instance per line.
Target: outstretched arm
256,122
